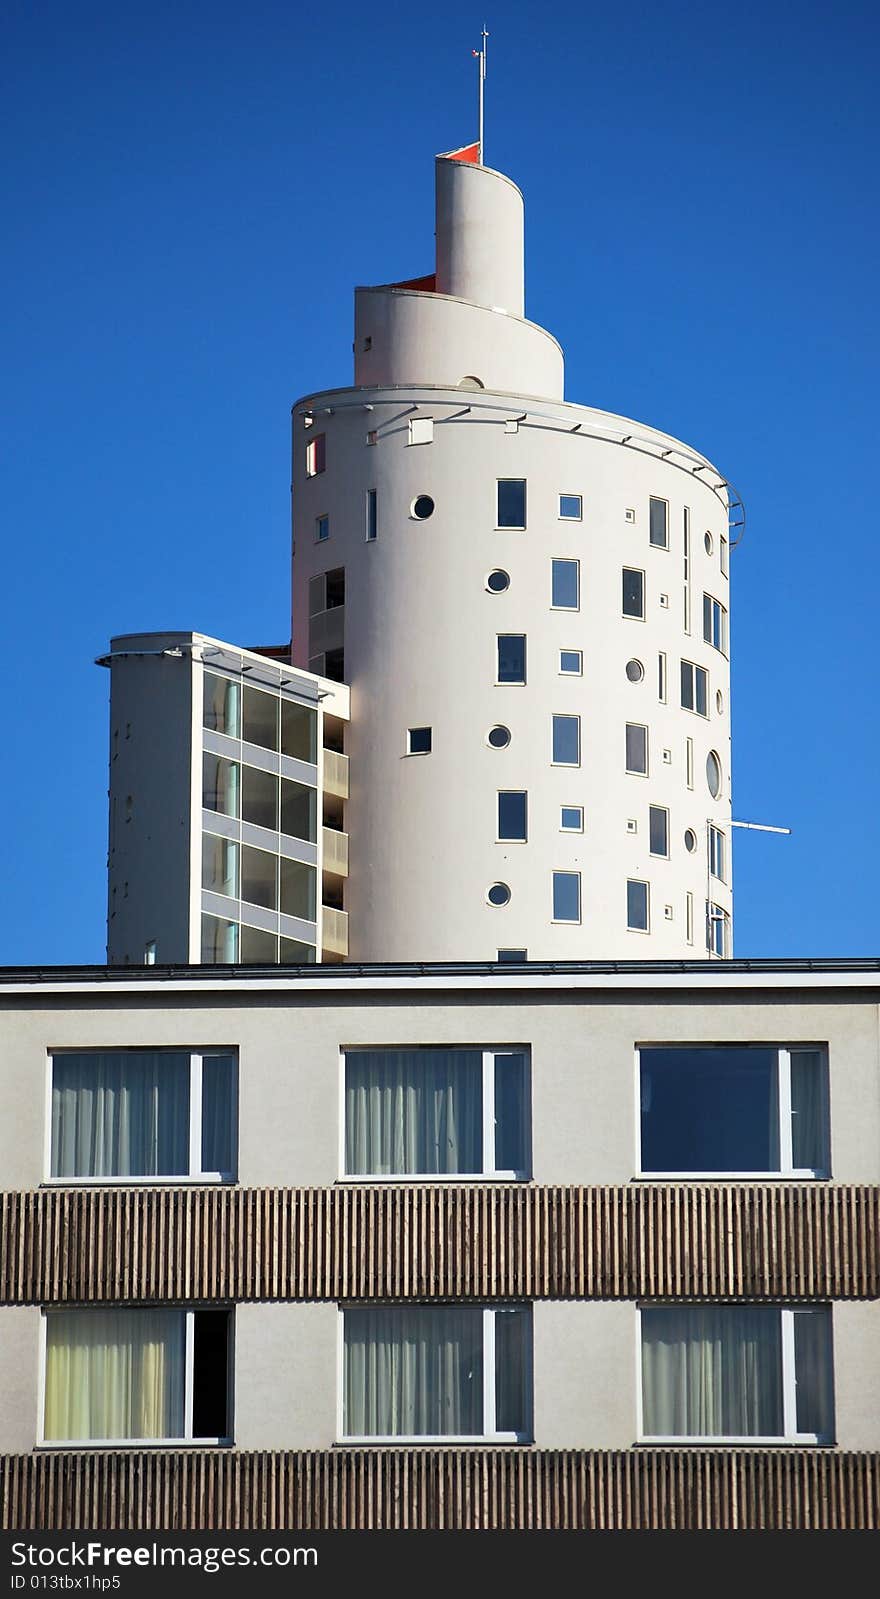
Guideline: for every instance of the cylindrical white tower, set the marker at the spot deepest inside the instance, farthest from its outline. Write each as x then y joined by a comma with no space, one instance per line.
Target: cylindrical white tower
529,600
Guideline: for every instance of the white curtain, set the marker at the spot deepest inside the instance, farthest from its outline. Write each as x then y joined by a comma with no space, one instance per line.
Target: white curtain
712,1371
115,1374
414,1372
809,1127
413,1111
123,1114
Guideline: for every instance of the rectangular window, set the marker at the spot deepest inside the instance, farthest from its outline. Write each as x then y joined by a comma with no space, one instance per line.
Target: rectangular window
221,785
437,1372
689,761
220,941
571,663
749,1109
132,1115
661,677
220,862
571,507
687,570
738,1372
566,741
717,937
511,502
126,1375
722,554
421,430
511,957
372,527
565,585
511,657
689,917
637,906
716,852
512,817
259,877
566,896
299,731
419,740
260,718
316,455
322,529
658,830
694,688
636,749
259,797
221,705
299,811
427,1111
714,623
658,533
571,819
633,593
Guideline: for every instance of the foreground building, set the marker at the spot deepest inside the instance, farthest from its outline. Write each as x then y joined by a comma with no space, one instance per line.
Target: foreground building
449,1246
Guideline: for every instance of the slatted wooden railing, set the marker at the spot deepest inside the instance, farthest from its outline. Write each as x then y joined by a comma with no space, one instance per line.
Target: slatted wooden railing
443,1488
698,1240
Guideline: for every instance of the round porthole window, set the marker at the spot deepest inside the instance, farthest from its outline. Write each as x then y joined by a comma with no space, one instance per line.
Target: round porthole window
635,671
709,543
499,894
690,840
498,581
498,737
719,702
713,774
422,507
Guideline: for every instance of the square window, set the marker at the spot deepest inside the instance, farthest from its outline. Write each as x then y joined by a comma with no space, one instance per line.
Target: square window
694,688
571,663
134,1115
316,455
571,507
565,585
513,817
571,819
511,657
658,828
566,896
637,906
737,1372
566,741
126,1374
511,502
437,1371
421,430
322,529
745,1109
658,516
419,740
483,1129
637,749
633,593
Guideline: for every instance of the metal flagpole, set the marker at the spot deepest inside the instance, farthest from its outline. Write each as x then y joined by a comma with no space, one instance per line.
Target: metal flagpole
482,56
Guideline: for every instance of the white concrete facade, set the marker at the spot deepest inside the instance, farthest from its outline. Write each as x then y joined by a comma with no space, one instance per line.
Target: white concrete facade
453,394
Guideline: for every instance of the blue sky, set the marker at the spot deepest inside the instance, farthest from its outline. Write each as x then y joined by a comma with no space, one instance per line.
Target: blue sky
189,193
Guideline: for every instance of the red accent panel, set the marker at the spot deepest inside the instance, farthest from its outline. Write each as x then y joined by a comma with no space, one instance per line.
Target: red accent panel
428,283
468,152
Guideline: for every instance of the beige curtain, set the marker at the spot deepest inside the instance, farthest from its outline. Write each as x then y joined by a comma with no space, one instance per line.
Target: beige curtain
712,1371
413,1111
115,1374
122,1114
414,1372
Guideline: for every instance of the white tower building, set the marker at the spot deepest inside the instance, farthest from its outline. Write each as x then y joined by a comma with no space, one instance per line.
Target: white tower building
529,602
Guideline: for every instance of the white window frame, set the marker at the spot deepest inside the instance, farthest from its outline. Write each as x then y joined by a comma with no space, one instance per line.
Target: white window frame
316,446
687,568
567,671
642,882
491,1054
662,681
659,855
717,852
501,838
717,916
422,728
565,516
562,826
421,430
512,527
655,499
488,1435
511,682
564,716
694,669
189,1366
714,623
722,556
566,921
787,1170
565,560
177,1179
632,771
789,1433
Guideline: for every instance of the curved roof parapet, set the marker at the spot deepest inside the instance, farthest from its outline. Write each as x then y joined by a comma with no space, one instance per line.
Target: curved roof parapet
479,228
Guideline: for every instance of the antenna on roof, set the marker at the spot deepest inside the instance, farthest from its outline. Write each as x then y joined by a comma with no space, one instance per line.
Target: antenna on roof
481,57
